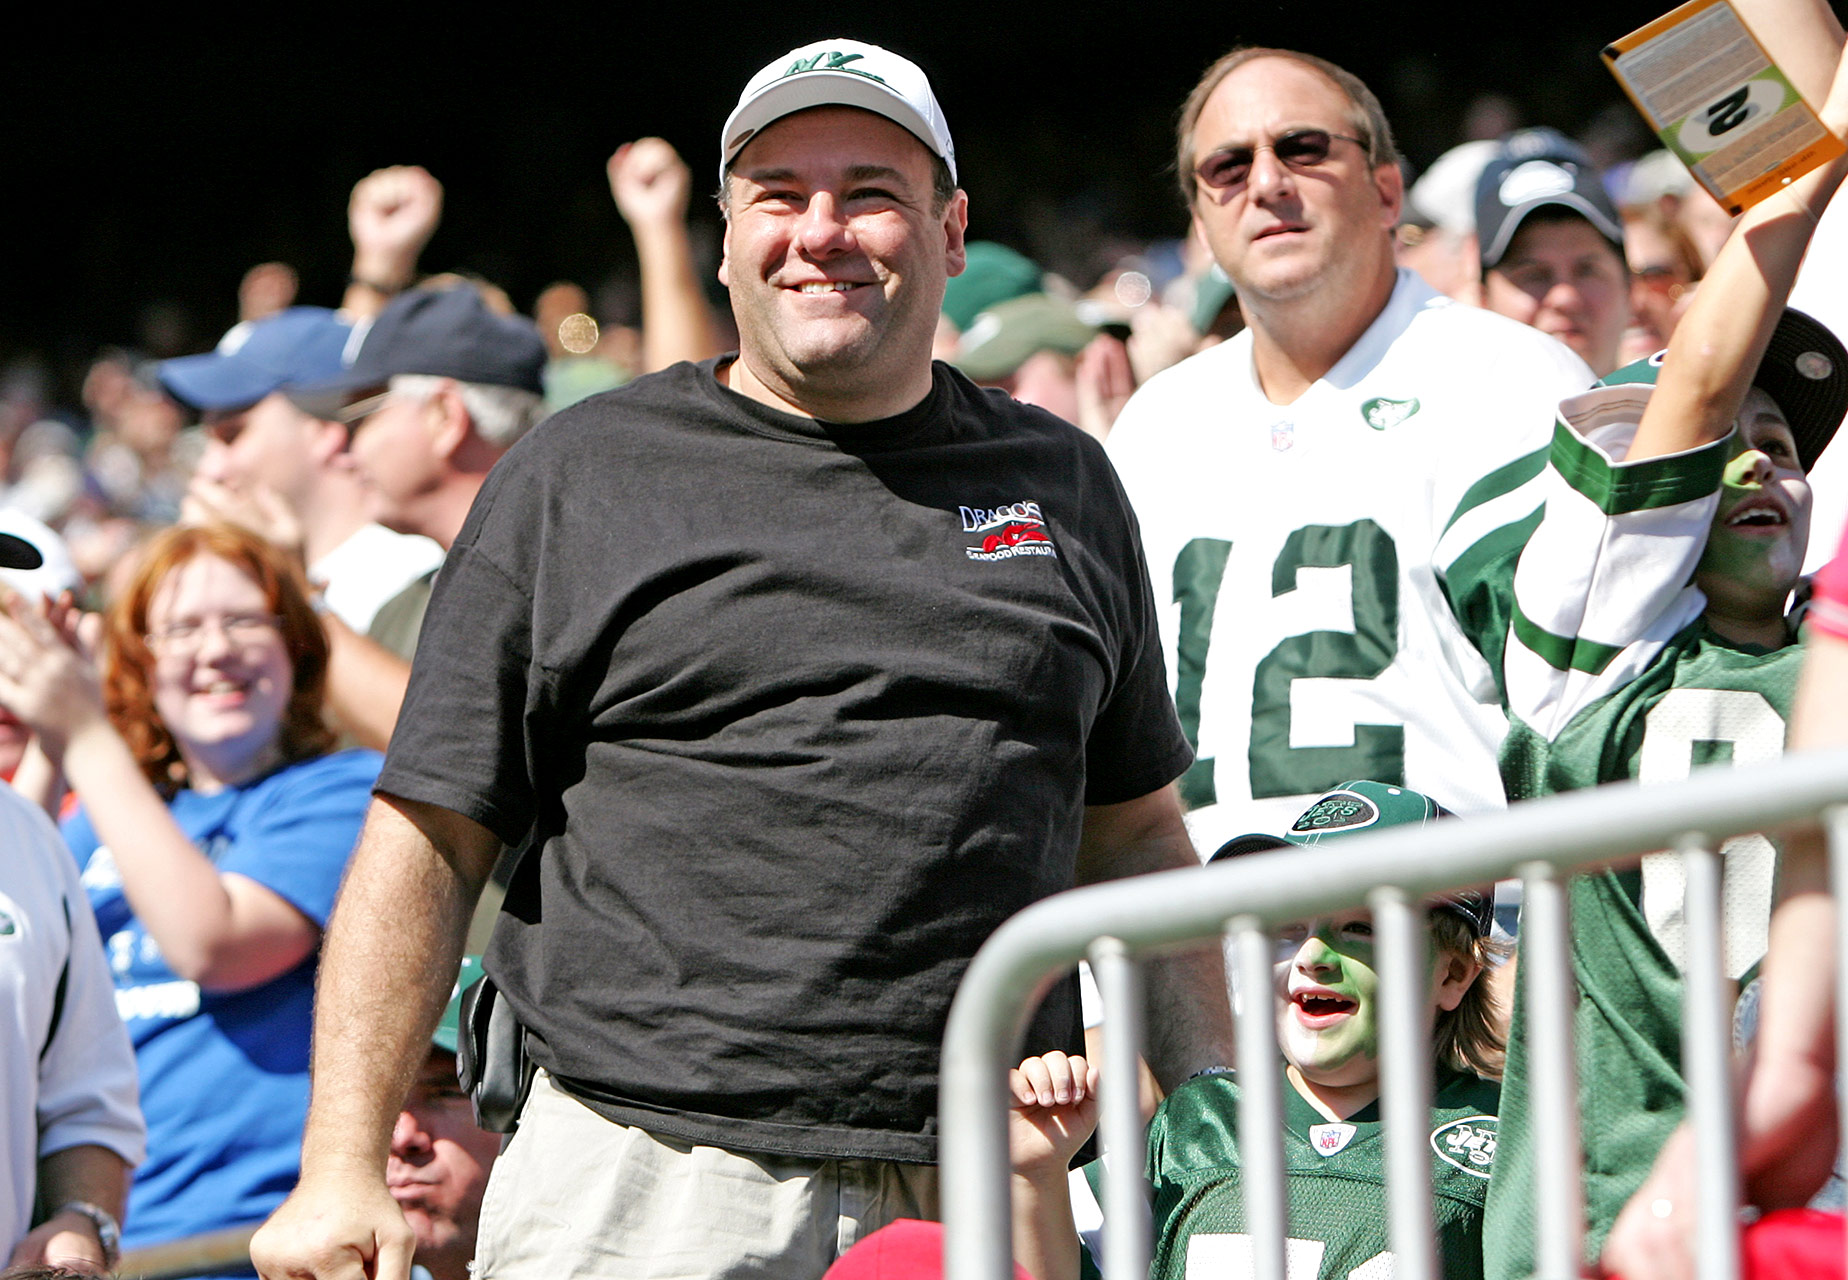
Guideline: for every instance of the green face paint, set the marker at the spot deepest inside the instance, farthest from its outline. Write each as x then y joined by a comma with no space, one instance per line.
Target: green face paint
1743,554
1328,1024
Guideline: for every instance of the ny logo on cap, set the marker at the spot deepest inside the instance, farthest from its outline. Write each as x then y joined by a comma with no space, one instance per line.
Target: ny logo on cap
835,61
1337,810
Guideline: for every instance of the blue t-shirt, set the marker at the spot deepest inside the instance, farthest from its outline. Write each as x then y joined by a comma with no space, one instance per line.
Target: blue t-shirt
224,1076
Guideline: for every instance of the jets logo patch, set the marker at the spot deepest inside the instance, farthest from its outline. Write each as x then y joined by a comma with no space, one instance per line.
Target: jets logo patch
1330,1139
1336,811
1467,1144
1381,413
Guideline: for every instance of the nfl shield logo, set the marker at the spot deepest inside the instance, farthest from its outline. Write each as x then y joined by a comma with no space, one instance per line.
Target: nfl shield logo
1283,435
1329,1139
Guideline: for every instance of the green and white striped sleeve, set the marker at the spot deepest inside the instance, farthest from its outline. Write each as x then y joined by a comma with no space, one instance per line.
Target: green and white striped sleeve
1606,577
1479,547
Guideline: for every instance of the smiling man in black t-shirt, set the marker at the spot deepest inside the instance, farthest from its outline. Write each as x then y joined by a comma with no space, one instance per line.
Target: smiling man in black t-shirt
797,672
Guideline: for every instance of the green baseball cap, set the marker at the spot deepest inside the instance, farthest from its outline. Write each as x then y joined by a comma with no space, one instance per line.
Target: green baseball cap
1211,293
449,1030
1004,336
1356,807
993,273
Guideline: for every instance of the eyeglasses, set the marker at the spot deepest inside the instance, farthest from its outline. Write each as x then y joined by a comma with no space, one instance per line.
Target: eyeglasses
1228,168
241,630
1665,282
360,410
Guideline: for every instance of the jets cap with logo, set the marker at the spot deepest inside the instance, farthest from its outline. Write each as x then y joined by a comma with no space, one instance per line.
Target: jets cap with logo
1352,809
1534,169
1805,370
301,346
445,333
838,73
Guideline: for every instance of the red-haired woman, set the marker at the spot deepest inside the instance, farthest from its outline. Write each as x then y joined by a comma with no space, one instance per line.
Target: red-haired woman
214,829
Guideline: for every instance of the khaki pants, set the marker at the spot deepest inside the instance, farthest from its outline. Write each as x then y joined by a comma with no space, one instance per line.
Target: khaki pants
577,1195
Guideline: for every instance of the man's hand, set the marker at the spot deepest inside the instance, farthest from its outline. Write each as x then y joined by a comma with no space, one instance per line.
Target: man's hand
258,508
47,679
1654,1235
65,1239
650,182
391,216
328,1229
1788,1145
1104,384
267,288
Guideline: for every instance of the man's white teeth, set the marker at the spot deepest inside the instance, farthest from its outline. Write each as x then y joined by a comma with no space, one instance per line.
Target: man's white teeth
1757,515
823,286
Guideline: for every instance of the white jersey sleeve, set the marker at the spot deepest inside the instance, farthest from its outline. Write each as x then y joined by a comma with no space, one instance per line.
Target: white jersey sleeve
67,1069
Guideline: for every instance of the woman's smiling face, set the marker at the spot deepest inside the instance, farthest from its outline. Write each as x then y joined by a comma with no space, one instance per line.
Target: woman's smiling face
222,675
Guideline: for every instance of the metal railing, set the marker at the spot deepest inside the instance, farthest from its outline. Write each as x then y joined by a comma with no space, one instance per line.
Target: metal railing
1114,925
193,1255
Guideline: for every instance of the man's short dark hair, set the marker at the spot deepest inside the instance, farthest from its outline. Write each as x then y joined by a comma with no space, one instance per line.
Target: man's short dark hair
942,187
1365,115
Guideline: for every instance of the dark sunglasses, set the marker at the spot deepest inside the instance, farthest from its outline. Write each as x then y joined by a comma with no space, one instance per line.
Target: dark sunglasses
1229,167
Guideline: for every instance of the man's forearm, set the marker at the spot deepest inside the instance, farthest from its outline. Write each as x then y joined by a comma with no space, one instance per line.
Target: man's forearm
391,955
1189,1011
90,1173
676,323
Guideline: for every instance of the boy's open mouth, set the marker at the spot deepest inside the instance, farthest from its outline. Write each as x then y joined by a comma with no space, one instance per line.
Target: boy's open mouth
1323,1004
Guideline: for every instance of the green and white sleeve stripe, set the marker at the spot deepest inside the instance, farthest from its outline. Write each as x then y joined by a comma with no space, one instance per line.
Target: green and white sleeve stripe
1605,580
1477,552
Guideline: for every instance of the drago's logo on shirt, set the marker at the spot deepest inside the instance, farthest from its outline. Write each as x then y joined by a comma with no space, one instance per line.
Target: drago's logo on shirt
1007,531
1468,1144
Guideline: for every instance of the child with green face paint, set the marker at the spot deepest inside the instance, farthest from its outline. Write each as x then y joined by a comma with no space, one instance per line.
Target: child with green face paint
1334,1144
1628,590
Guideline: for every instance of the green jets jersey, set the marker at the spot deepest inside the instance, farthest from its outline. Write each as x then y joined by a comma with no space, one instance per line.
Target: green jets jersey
1586,607
1337,1184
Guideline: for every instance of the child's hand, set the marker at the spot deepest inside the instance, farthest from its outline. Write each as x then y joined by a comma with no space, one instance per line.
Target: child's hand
1054,1110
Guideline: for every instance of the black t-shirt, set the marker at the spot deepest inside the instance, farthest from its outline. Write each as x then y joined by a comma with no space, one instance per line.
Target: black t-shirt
792,715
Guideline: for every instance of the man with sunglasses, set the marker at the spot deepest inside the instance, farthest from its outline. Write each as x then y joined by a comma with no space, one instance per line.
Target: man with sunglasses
1291,483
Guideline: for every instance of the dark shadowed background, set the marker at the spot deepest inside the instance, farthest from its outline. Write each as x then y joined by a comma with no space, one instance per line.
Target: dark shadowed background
153,162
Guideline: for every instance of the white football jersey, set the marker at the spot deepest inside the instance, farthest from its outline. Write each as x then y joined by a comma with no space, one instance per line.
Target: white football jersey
1307,637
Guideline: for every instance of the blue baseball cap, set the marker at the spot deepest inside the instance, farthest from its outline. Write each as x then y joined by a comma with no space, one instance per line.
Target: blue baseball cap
302,345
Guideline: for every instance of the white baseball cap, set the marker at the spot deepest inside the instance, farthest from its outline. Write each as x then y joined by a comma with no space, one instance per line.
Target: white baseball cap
838,73
33,560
